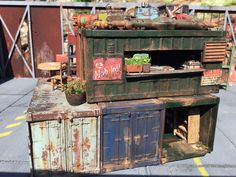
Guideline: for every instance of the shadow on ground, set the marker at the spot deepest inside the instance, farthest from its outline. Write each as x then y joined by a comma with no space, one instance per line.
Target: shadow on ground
63,174
6,174
4,80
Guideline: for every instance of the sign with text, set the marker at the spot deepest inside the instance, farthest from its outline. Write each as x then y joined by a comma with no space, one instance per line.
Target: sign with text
107,68
211,77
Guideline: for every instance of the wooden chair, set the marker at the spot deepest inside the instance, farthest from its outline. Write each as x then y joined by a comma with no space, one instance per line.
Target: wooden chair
59,80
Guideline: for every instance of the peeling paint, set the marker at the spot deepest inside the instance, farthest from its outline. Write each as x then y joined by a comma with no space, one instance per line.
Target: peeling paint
76,149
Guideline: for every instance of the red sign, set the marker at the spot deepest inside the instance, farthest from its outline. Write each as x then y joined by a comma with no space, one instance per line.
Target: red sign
107,69
212,73
211,77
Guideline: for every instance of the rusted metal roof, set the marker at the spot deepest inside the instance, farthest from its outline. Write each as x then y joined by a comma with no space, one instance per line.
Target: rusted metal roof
47,104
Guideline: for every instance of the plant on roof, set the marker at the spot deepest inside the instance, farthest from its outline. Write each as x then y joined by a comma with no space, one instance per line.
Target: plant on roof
138,59
75,87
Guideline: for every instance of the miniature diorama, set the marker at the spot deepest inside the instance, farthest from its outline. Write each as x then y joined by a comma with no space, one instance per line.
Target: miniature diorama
145,77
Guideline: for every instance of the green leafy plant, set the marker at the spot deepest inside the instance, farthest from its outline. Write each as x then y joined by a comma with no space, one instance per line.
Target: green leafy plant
138,59
75,87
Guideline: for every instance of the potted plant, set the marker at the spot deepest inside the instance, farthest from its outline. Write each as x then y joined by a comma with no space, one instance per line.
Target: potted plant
146,61
133,65
138,63
75,92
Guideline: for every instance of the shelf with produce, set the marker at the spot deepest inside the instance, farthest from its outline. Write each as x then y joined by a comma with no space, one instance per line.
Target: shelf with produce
156,73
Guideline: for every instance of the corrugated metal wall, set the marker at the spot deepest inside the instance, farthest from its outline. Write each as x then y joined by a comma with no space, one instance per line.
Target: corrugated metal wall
46,38
16,67
65,147
46,31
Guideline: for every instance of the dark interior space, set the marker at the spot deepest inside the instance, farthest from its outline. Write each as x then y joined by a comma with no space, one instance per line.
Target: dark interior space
8,73
178,143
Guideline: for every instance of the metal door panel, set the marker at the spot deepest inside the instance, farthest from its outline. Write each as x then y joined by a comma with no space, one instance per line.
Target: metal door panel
84,145
48,148
139,135
90,142
116,136
39,140
56,146
131,137
146,127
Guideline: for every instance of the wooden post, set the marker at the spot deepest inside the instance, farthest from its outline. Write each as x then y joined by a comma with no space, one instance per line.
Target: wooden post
193,125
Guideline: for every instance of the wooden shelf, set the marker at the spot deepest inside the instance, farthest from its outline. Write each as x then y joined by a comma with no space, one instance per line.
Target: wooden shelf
156,73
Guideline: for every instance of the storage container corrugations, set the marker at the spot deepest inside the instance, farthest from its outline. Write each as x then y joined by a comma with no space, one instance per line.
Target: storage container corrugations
63,139
115,45
71,147
131,133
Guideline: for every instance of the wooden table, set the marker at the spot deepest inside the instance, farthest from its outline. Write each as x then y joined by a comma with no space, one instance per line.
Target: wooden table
49,66
52,66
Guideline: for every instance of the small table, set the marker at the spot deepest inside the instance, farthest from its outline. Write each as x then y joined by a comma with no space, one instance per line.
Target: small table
51,66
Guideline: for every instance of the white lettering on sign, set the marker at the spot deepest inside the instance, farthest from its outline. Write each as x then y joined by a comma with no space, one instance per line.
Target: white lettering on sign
211,77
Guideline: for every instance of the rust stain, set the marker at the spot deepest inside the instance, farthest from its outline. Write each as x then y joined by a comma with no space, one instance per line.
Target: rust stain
41,126
137,139
122,165
55,162
92,122
86,144
184,101
45,158
45,54
126,162
75,149
126,135
51,147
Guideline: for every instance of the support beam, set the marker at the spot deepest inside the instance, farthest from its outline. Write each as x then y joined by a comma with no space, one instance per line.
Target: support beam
31,42
62,30
225,20
15,39
2,71
192,12
17,48
68,23
231,28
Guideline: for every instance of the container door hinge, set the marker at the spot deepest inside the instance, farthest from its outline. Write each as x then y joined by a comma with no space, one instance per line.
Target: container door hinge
59,118
71,116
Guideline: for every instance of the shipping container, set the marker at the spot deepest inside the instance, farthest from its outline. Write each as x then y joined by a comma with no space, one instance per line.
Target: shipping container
131,133
98,138
102,63
63,139
190,124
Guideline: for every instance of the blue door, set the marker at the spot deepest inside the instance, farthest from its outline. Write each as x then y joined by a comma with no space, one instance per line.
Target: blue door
116,141
146,137
131,136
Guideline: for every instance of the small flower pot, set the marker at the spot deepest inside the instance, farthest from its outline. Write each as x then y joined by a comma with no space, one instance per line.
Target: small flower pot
147,68
76,99
133,68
